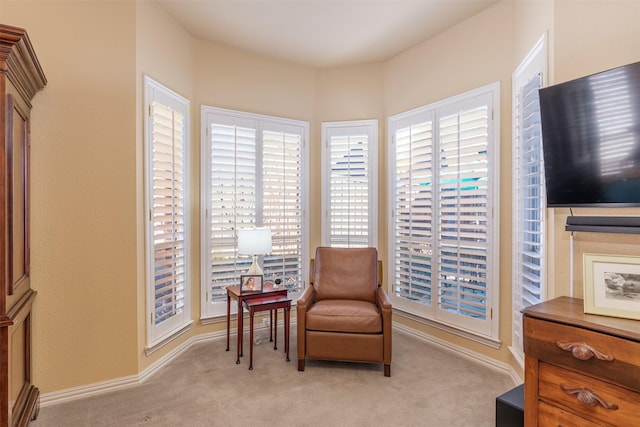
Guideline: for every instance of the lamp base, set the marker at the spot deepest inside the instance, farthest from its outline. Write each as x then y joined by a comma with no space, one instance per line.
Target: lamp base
255,269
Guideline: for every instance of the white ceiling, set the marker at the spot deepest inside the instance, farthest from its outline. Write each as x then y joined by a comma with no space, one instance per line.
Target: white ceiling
328,33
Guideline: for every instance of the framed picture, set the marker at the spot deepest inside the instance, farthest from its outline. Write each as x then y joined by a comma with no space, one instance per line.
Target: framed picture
612,285
250,283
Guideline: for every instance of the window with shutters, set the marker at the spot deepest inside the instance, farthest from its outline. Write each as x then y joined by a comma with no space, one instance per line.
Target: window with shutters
253,175
167,231
528,191
349,177
443,229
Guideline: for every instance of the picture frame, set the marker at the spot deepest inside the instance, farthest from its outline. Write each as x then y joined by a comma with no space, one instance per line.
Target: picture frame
612,285
251,283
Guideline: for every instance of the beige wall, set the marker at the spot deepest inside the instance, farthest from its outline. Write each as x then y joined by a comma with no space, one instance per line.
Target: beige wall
87,191
83,191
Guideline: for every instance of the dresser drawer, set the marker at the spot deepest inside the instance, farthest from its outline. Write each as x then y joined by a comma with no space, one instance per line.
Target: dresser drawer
551,416
608,357
588,397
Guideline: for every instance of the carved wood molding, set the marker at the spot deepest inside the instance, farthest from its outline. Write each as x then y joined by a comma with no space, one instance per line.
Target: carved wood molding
19,62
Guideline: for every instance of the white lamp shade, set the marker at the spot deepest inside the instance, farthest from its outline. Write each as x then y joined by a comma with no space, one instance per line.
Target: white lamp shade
254,241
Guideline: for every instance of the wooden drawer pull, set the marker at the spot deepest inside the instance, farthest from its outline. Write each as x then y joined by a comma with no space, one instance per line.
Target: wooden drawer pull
585,395
583,351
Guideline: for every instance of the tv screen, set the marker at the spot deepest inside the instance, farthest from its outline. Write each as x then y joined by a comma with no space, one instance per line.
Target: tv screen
591,139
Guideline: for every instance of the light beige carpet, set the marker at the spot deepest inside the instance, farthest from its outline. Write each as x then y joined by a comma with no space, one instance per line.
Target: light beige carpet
204,387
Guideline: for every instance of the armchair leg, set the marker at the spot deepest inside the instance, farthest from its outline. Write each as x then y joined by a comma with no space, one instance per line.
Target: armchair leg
300,364
387,369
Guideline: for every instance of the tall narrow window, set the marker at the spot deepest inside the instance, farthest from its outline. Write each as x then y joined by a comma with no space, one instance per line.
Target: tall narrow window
167,236
349,167
254,175
528,191
444,205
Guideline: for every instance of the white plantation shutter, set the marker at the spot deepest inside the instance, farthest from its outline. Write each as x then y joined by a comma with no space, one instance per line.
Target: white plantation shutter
282,202
443,235
413,219
166,124
349,189
463,234
232,185
528,191
350,179
252,177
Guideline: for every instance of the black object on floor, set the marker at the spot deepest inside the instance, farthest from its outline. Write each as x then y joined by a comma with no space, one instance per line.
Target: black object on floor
510,408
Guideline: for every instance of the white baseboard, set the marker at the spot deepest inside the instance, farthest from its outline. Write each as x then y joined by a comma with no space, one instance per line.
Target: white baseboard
461,351
75,393
71,394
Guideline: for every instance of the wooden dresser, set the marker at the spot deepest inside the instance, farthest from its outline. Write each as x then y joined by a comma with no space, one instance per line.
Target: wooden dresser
580,369
20,78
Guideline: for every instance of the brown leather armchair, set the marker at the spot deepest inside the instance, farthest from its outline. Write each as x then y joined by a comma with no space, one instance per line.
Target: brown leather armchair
345,314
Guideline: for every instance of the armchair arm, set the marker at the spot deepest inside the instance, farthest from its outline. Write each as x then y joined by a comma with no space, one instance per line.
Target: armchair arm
385,307
306,298
383,299
305,301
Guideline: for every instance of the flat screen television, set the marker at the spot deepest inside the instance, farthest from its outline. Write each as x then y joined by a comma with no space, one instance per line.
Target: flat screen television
591,139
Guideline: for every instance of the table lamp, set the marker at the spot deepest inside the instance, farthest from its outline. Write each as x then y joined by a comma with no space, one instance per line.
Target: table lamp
254,242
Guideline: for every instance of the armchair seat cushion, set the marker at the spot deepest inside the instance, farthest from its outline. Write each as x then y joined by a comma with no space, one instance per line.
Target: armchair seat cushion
343,315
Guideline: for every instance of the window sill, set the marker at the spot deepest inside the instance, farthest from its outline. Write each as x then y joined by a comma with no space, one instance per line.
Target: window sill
170,337
488,341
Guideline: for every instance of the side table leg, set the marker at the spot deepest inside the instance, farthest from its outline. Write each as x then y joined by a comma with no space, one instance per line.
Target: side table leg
240,328
228,319
271,325
251,339
275,330
287,318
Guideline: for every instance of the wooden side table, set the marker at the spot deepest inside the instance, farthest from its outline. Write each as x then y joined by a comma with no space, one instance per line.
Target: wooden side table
264,303
234,292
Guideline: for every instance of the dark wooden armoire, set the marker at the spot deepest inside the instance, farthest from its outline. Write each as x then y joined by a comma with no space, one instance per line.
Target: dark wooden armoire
20,78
